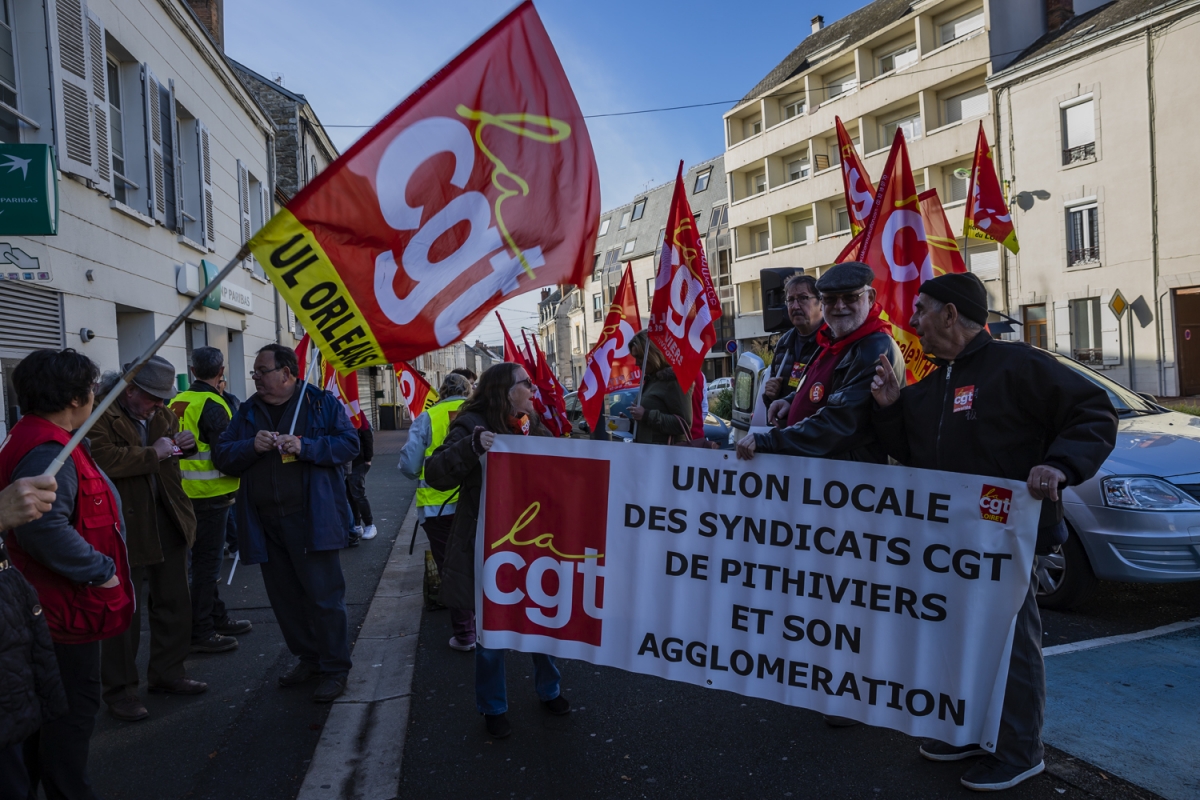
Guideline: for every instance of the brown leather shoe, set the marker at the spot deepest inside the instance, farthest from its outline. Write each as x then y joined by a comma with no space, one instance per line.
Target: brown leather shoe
128,709
180,686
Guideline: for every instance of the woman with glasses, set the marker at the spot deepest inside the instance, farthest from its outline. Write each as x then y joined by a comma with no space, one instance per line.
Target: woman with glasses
664,414
501,404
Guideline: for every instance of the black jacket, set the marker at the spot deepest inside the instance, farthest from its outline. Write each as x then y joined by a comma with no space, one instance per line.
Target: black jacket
666,405
841,429
366,445
31,689
790,348
1017,408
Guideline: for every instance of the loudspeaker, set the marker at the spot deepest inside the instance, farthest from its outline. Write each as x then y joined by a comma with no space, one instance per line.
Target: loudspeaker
774,303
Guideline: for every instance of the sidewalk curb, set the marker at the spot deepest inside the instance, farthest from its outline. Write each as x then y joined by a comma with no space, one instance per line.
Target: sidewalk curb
362,743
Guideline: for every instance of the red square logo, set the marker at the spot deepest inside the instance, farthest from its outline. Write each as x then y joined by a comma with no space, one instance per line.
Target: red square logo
963,397
995,503
544,544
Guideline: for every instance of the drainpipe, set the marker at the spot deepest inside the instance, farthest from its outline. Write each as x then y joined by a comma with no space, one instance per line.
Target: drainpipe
1158,333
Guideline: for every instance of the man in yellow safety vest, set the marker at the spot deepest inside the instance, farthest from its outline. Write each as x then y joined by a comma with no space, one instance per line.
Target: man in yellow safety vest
203,411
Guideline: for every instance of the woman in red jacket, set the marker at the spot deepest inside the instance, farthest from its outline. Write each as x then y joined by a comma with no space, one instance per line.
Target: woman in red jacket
74,556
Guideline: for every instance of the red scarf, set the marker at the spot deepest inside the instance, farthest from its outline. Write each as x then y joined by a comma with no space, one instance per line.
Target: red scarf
814,384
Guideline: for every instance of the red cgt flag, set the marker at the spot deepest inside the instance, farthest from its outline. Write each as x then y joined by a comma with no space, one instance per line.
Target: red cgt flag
417,393
685,302
859,193
549,391
480,186
943,247
344,386
609,367
987,215
512,353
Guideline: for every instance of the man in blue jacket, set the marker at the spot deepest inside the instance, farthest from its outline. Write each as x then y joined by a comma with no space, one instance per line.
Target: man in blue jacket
292,514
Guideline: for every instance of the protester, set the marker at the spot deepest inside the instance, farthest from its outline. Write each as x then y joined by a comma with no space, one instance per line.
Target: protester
1004,410
664,413
204,413
356,483
293,516
795,348
466,373
829,416
136,442
73,555
502,403
435,509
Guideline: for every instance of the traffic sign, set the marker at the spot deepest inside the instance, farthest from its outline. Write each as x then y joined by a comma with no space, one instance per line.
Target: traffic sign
731,346
1118,304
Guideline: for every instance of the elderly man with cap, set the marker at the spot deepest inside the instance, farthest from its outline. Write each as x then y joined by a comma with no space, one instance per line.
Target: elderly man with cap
137,442
1004,410
829,414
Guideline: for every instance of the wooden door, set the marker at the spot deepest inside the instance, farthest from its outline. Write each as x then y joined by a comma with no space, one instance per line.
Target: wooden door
1187,339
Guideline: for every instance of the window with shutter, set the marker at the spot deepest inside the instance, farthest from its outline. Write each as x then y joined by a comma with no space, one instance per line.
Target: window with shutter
98,67
263,216
1079,131
172,160
32,318
243,179
973,103
156,201
1062,327
204,162
76,135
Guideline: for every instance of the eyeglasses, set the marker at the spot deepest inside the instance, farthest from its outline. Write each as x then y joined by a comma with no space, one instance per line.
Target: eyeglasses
257,374
847,299
799,299
528,384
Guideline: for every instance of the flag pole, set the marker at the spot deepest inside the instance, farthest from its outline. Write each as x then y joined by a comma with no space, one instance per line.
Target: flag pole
641,383
312,362
140,362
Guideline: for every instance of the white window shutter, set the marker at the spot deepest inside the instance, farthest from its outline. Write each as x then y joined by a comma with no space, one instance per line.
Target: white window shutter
1062,327
172,135
264,216
99,80
243,179
155,191
72,97
203,154
1110,332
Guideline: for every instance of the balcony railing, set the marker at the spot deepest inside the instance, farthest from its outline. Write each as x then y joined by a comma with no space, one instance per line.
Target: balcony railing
1082,255
1081,153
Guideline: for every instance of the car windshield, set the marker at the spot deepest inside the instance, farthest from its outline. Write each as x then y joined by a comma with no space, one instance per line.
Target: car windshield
1123,400
617,403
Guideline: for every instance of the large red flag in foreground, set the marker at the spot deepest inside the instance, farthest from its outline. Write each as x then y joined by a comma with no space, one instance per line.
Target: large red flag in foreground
417,393
685,302
481,185
856,183
609,367
987,213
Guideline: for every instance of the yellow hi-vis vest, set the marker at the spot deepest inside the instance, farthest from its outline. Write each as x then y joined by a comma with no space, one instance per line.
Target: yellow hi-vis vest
440,417
200,478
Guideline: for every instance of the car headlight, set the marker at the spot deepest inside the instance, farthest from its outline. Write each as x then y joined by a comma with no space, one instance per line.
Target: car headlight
1146,494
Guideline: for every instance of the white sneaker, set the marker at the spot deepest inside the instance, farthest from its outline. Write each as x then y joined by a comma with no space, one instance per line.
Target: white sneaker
357,529
369,532
457,645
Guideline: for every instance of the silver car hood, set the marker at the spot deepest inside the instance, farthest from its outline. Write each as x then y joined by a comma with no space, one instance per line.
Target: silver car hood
1166,445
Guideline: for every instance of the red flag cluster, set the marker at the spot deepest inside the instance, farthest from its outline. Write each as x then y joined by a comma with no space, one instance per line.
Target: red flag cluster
343,387
609,366
417,393
548,394
987,216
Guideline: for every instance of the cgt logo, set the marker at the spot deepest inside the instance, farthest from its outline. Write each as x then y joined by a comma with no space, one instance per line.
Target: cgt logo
995,503
543,561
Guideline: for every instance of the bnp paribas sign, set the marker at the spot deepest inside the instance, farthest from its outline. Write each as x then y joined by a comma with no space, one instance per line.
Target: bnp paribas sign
28,190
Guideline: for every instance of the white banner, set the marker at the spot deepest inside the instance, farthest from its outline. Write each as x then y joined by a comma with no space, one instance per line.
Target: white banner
883,594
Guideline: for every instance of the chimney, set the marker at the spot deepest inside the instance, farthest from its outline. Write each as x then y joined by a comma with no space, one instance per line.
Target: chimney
818,21
1058,13
211,14
545,293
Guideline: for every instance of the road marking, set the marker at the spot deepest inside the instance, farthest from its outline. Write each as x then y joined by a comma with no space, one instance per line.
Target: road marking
1089,644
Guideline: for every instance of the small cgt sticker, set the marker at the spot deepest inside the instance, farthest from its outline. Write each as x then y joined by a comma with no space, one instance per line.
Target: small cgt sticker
816,392
964,396
994,503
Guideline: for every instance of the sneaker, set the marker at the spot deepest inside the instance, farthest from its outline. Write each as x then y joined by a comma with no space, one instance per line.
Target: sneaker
839,722
128,709
301,673
559,706
354,539
993,775
357,529
233,627
215,643
497,726
940,751
464,647
369,532
329,689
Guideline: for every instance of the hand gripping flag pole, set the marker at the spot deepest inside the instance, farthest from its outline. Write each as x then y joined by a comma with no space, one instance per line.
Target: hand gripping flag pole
137,365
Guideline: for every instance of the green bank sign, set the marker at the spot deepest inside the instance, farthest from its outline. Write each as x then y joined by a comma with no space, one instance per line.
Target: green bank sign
28,190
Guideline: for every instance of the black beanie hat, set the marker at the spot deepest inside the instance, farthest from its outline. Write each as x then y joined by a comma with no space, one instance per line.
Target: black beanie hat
964,290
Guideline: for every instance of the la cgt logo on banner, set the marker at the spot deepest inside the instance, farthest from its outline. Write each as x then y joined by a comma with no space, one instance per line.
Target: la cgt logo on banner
995,503
543,558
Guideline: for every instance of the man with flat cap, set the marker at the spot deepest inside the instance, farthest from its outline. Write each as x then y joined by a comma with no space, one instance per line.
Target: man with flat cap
137,442
829,414
1004,410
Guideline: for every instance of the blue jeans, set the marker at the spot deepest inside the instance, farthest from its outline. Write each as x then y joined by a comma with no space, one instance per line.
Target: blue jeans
491,694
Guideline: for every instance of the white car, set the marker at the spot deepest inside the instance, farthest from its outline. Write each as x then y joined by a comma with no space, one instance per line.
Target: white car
718,385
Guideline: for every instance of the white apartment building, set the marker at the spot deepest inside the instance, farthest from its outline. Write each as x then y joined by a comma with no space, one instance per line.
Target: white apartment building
163,163
1098,122
917,65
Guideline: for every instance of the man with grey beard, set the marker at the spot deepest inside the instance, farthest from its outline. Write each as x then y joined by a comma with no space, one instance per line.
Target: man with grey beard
829,416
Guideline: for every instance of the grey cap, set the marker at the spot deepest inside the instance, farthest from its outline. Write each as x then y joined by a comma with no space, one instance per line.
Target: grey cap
157,377
845,277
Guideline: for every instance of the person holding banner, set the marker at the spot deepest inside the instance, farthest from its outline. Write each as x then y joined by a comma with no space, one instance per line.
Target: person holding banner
1004,410
501,404
435,509
663,413
797,347
293,515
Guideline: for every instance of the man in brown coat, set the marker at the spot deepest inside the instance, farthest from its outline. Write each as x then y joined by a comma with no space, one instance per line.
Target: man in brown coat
137,443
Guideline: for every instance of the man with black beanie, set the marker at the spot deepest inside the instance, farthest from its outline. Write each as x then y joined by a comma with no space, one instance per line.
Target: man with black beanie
1004,410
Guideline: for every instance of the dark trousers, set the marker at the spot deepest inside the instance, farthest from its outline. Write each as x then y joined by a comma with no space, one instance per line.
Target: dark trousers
208,552
308,595
14,780
170,609
56,755
356,491
1020,739
231,531
437,529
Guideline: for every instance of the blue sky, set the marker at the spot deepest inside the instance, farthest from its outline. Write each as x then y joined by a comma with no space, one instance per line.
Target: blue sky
356,60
